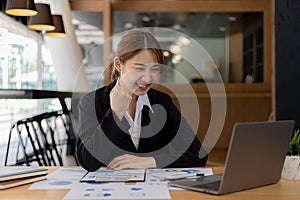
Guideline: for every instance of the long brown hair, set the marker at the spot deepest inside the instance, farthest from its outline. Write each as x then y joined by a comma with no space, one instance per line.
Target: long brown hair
132,43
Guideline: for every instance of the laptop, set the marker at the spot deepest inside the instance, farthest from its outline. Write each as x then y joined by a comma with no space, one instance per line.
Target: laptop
255,158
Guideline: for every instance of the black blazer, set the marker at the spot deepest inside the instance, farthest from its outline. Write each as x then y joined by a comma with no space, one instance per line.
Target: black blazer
165,134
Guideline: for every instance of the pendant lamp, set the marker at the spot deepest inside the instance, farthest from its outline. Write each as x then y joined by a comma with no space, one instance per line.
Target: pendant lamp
59,30
43,20
20,8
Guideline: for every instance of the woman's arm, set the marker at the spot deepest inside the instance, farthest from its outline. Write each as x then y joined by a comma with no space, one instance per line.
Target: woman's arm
185,149
99,133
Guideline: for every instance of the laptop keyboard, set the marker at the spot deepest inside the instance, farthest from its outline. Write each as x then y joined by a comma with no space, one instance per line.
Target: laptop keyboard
210,186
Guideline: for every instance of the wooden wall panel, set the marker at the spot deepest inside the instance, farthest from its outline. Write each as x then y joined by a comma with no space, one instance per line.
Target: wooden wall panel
236,53
189,5
87,5
243,105
238,110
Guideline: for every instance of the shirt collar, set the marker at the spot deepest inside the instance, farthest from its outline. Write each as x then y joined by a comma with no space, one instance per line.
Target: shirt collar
143,100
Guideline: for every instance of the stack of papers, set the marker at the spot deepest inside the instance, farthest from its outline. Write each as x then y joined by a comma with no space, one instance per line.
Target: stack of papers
15,176
110,184
108,175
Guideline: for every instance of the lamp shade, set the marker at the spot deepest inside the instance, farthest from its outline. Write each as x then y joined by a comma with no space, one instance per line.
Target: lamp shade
59,30
43,20
20,8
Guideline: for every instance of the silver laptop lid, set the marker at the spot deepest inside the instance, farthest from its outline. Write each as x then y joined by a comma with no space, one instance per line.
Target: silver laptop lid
256,154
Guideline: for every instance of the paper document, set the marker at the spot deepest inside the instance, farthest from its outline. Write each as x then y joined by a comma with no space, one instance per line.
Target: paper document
169,174
62,178
67,173
108,175
119,191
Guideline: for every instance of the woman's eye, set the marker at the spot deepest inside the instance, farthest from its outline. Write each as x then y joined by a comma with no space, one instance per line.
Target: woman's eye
139,69
155,68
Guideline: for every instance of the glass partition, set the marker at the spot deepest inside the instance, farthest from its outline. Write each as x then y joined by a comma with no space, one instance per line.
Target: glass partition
90,37
233,40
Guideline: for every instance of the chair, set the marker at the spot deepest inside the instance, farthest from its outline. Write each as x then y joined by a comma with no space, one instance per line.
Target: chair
41,139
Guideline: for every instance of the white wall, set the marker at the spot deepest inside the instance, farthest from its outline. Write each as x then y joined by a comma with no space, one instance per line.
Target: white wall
66,53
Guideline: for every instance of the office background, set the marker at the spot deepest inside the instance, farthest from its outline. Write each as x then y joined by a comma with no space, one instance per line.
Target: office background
274,89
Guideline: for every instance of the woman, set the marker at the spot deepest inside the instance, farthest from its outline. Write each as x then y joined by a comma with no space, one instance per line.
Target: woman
127,124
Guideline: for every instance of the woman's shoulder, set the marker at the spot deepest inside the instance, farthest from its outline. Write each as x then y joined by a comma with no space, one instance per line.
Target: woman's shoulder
91,94
100,91
106,88
96,94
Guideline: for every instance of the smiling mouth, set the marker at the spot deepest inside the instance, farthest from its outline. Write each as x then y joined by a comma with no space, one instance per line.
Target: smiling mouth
144,87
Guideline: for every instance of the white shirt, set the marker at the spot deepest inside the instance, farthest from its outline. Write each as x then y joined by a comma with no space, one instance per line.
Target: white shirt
135,125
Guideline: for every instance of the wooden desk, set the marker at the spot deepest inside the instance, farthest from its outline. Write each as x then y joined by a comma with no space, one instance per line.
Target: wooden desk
284,190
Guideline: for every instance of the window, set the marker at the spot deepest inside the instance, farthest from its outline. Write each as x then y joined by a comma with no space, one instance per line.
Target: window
25,63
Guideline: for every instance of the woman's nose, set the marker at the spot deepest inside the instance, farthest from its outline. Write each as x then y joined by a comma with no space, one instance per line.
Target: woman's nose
147,76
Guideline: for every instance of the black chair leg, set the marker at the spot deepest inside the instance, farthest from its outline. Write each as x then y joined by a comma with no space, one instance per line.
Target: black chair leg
22,145
8,145
42,151
36,153
47,145
54,146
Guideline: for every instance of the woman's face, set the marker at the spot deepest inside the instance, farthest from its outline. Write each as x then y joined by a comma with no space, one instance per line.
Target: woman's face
139,72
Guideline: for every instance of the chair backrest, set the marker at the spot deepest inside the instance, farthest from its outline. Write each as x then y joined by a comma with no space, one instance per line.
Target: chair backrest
41,139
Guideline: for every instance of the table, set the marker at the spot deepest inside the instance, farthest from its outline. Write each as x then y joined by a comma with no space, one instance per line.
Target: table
45,94
283,190
36,94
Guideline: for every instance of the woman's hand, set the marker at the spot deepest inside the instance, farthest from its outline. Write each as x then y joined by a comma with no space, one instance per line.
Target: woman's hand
121,95
130,161
119,100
